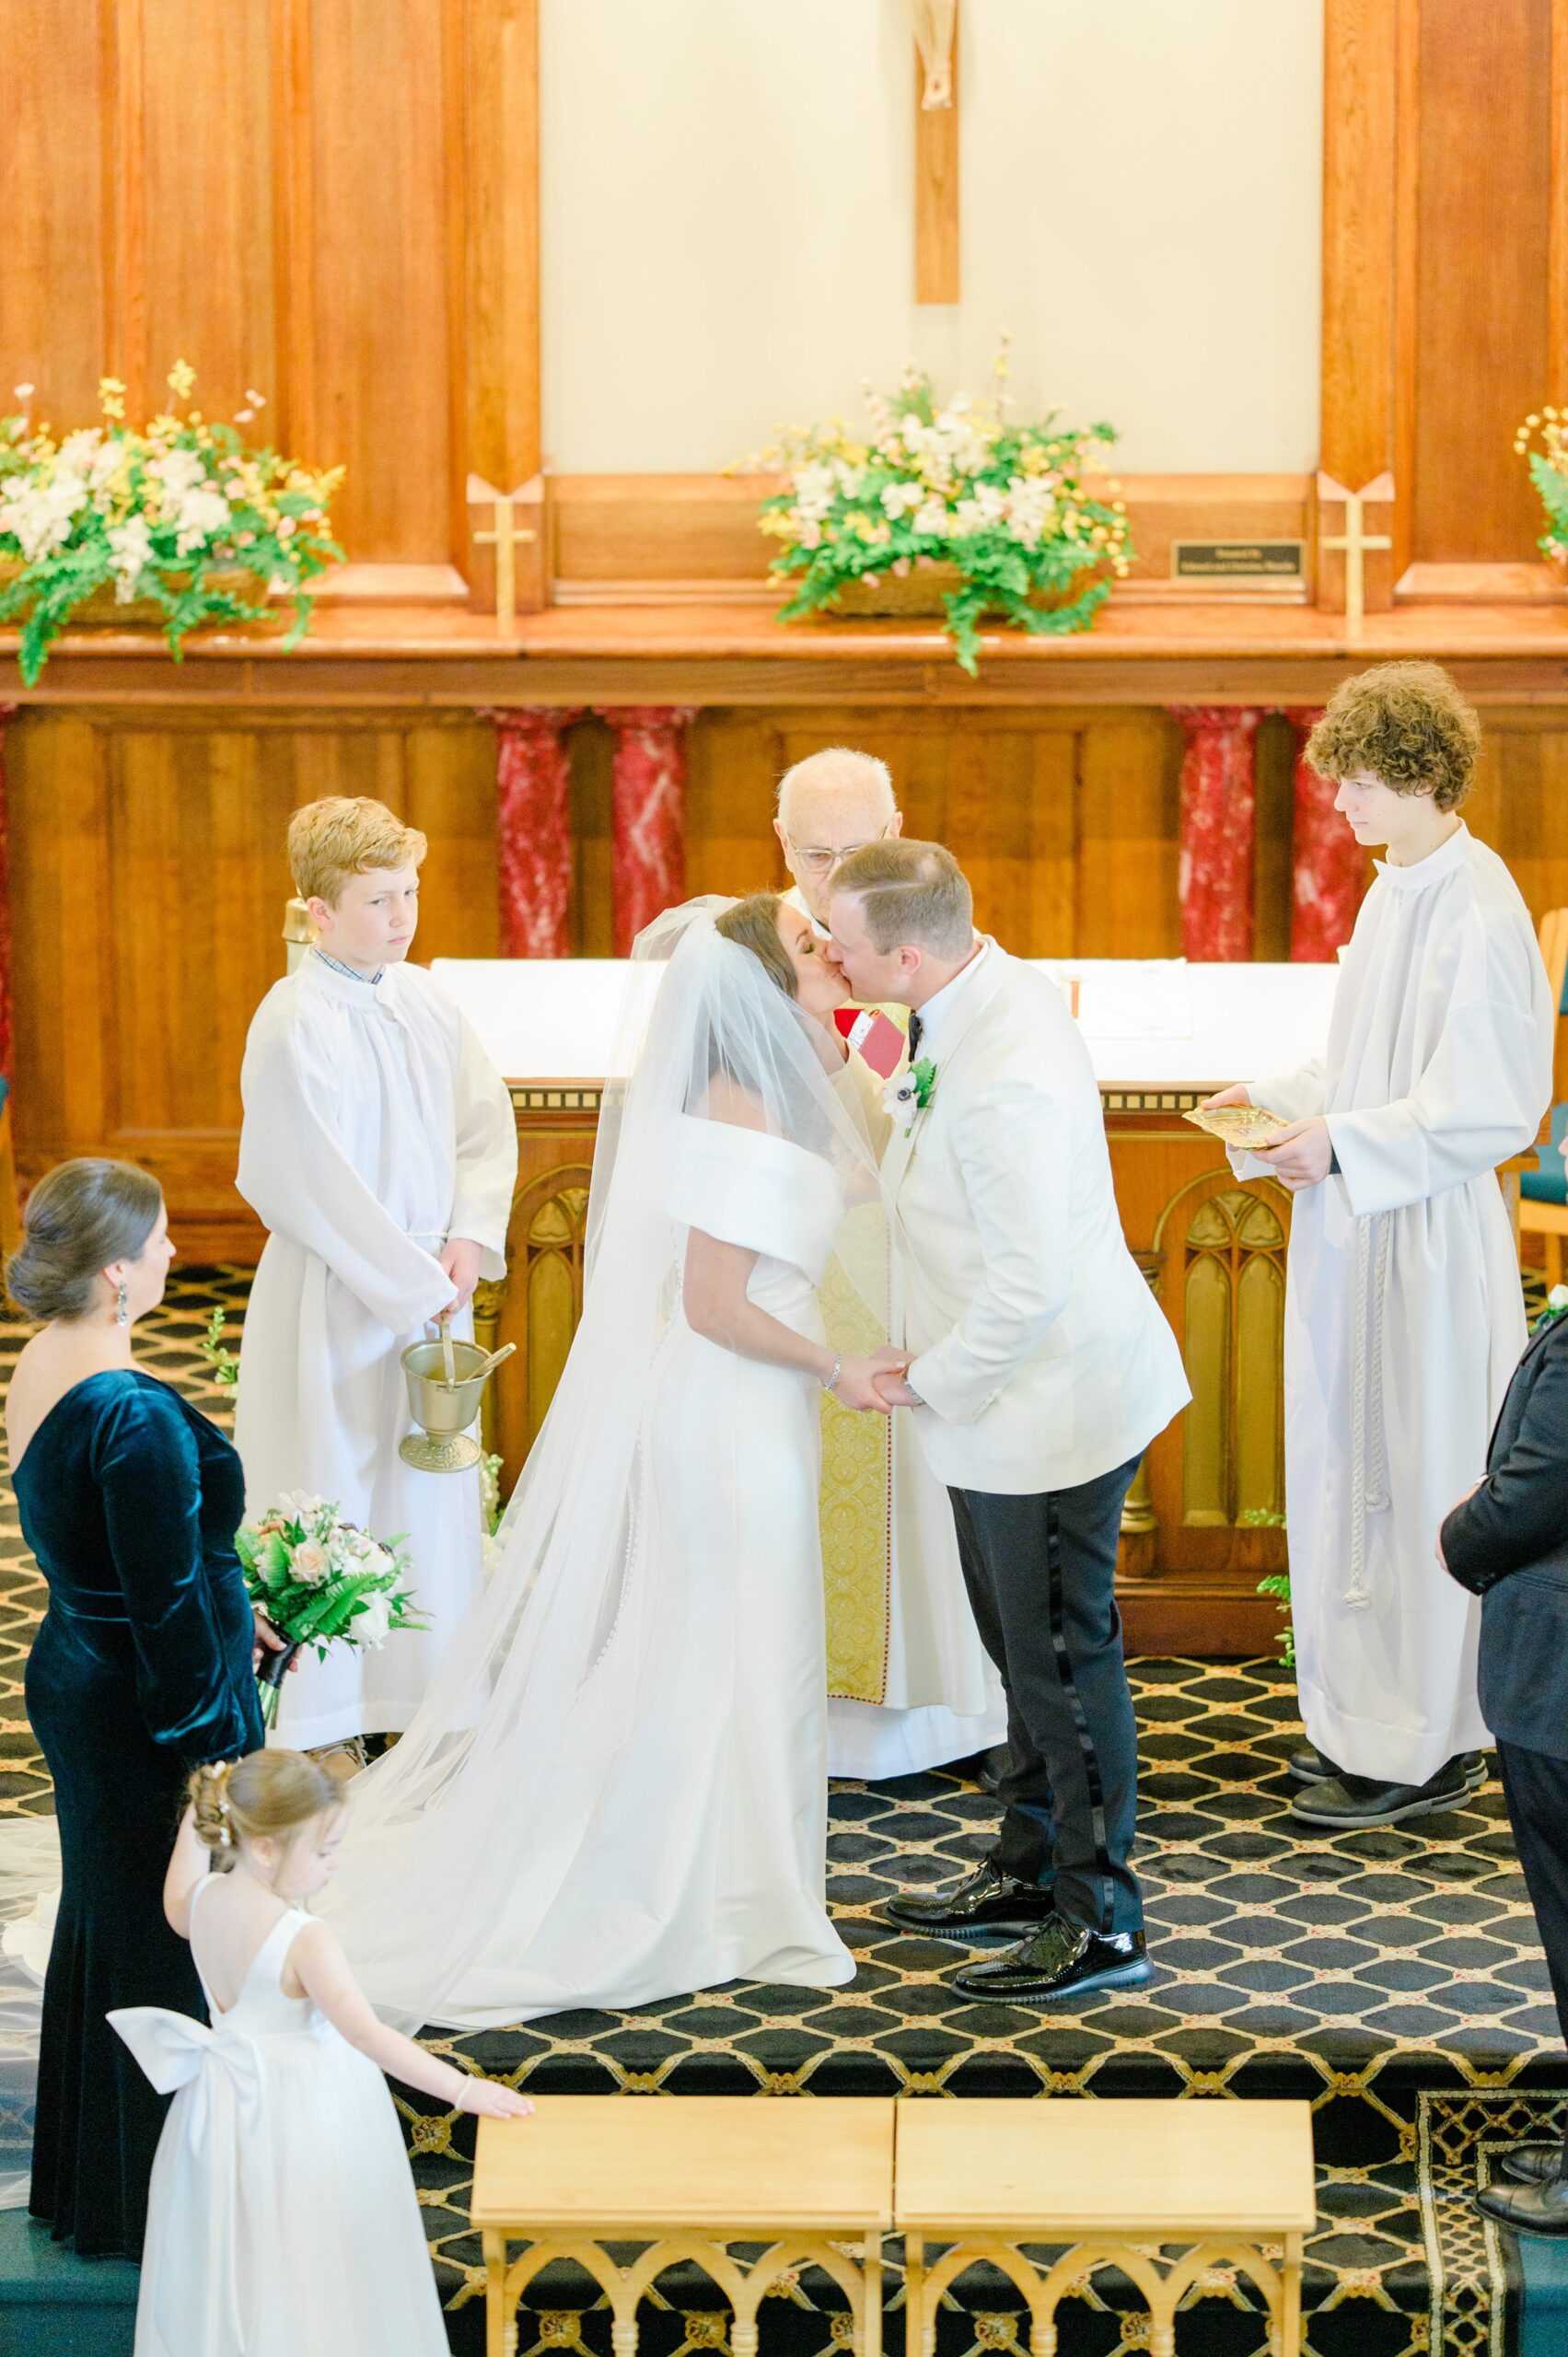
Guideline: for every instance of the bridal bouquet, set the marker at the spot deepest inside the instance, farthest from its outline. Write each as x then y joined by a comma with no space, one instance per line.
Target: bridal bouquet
1000,517
321,1582
182,517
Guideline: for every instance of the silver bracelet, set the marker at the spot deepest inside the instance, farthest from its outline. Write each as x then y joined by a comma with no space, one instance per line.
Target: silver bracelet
838,1364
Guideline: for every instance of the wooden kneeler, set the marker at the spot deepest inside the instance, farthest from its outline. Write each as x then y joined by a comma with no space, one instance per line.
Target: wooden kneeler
1113,2180
686,2177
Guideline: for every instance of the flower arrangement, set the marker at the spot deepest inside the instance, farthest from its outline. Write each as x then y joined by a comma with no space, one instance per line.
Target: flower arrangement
1004,508
177,515
912,1093
1549,471
320,1581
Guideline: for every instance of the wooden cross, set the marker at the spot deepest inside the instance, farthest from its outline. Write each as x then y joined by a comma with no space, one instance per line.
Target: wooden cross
505,539
1355,540
935,150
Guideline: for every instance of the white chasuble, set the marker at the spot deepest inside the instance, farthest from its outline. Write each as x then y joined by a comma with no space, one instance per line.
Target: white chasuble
909,1682
1404,1316
374,1129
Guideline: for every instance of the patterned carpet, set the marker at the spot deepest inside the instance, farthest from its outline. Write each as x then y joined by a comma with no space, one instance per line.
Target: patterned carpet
1393,1979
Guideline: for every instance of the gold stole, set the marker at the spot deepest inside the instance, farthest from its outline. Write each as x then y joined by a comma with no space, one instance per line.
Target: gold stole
856,1509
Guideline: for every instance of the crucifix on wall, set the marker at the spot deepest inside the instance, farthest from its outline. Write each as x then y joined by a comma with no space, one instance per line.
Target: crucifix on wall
935,150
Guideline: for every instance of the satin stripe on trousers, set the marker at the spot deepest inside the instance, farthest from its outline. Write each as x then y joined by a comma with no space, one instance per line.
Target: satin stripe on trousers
1535,1786
1041,1570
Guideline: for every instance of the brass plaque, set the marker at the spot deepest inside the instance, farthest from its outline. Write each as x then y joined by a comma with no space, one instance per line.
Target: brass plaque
1235,560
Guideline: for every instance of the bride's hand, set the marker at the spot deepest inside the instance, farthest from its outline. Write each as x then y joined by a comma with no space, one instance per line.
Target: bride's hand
856,1386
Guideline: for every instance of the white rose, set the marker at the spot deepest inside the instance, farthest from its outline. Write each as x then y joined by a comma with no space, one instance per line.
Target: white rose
372,1625
311,1563
1558,1297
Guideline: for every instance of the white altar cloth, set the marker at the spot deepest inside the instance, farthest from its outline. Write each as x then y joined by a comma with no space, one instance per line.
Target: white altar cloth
554,1018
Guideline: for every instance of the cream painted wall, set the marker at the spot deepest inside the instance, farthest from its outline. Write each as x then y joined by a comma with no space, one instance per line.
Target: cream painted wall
727,203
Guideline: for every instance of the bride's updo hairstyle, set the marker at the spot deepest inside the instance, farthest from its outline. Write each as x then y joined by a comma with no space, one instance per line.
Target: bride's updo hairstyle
753,924
268,1794
80,1217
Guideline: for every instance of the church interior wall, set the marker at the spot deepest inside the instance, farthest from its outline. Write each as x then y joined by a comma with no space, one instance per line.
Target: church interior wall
776,190
149,881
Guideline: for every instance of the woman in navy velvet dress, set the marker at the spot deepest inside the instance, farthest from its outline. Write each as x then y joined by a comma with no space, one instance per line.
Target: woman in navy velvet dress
142,1668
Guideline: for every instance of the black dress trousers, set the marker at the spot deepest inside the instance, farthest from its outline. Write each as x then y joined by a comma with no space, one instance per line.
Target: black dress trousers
1040,1569
1535,1786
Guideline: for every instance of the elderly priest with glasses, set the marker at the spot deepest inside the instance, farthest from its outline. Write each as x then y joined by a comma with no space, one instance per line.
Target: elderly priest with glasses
909,1682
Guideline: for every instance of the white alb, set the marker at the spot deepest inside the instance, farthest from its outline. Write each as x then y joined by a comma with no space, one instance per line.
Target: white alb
374,1127
1403,1314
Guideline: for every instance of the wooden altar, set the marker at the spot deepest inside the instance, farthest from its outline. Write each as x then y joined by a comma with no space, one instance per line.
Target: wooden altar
1213,1251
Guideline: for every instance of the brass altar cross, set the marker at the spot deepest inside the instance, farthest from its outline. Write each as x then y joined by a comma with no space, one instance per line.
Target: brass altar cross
935,150
505,539
1355,540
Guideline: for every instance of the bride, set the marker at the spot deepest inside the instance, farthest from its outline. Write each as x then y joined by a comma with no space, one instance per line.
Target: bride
616,1788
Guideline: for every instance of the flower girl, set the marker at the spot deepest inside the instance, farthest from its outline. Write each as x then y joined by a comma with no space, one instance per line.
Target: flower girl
282,2221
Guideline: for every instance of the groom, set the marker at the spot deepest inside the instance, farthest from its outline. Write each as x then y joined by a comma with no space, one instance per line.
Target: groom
1040,1371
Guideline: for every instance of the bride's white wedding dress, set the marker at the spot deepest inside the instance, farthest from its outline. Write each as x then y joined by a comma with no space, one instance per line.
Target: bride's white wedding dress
617,1789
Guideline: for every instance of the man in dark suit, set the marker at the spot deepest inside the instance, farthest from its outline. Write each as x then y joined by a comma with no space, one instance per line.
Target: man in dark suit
1507,1542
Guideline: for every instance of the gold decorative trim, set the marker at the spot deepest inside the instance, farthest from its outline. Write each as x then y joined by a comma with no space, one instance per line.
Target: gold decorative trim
556,1095
587,1095
1169,1099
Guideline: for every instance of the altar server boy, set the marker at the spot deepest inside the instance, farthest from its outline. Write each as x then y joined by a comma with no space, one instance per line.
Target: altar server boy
380,1148
1403,1315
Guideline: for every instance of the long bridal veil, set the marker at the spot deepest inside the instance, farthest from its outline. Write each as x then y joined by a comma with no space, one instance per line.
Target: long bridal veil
461,1838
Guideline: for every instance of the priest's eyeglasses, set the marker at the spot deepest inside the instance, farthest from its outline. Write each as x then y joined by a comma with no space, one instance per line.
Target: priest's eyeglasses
817,859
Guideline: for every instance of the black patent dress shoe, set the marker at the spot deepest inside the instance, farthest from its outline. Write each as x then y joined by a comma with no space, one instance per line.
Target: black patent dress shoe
1349,1803
1061,1960
1310,1765
1529,2208
987,1905
1532,2164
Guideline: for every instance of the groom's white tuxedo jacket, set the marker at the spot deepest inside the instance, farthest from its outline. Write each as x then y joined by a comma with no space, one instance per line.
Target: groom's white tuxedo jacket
1038,1350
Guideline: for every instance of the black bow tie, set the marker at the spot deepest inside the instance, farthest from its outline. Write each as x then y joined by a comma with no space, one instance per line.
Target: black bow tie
916,1027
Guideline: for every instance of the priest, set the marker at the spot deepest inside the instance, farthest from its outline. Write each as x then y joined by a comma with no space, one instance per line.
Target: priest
1404,1315
909,1682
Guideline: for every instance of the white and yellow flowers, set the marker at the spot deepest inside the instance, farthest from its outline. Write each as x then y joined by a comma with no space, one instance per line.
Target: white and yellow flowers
155,515
1008,506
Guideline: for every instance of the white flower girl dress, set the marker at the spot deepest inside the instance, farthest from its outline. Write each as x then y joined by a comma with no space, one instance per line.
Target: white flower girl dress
281,2220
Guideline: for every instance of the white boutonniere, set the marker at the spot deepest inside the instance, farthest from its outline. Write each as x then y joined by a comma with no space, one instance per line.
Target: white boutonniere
1556,1303
910,1095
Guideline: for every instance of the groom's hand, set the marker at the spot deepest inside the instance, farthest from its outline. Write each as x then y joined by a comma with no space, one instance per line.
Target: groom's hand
895,1391
859,1379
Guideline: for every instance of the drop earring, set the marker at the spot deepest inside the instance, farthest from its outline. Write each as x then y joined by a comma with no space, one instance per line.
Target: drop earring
122,1306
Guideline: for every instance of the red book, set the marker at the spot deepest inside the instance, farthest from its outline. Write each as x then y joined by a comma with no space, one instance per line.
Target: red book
876,1040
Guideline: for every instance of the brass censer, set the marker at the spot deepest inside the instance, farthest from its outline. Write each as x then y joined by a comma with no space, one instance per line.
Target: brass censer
446,1383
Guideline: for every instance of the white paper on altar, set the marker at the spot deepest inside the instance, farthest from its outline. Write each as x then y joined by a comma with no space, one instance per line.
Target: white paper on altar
546,1019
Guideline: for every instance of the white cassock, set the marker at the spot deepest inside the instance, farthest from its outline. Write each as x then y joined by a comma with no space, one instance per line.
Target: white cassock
1405,1317
374,1129
942,1699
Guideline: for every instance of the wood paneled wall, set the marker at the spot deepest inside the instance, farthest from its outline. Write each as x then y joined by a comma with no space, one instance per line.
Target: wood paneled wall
148,880
1445,265
330,201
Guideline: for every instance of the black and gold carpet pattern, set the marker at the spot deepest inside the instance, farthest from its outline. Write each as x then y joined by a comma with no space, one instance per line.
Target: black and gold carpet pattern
1393,1979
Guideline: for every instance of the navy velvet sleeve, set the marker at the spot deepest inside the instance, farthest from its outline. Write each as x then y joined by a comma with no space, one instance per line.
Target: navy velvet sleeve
149,1475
